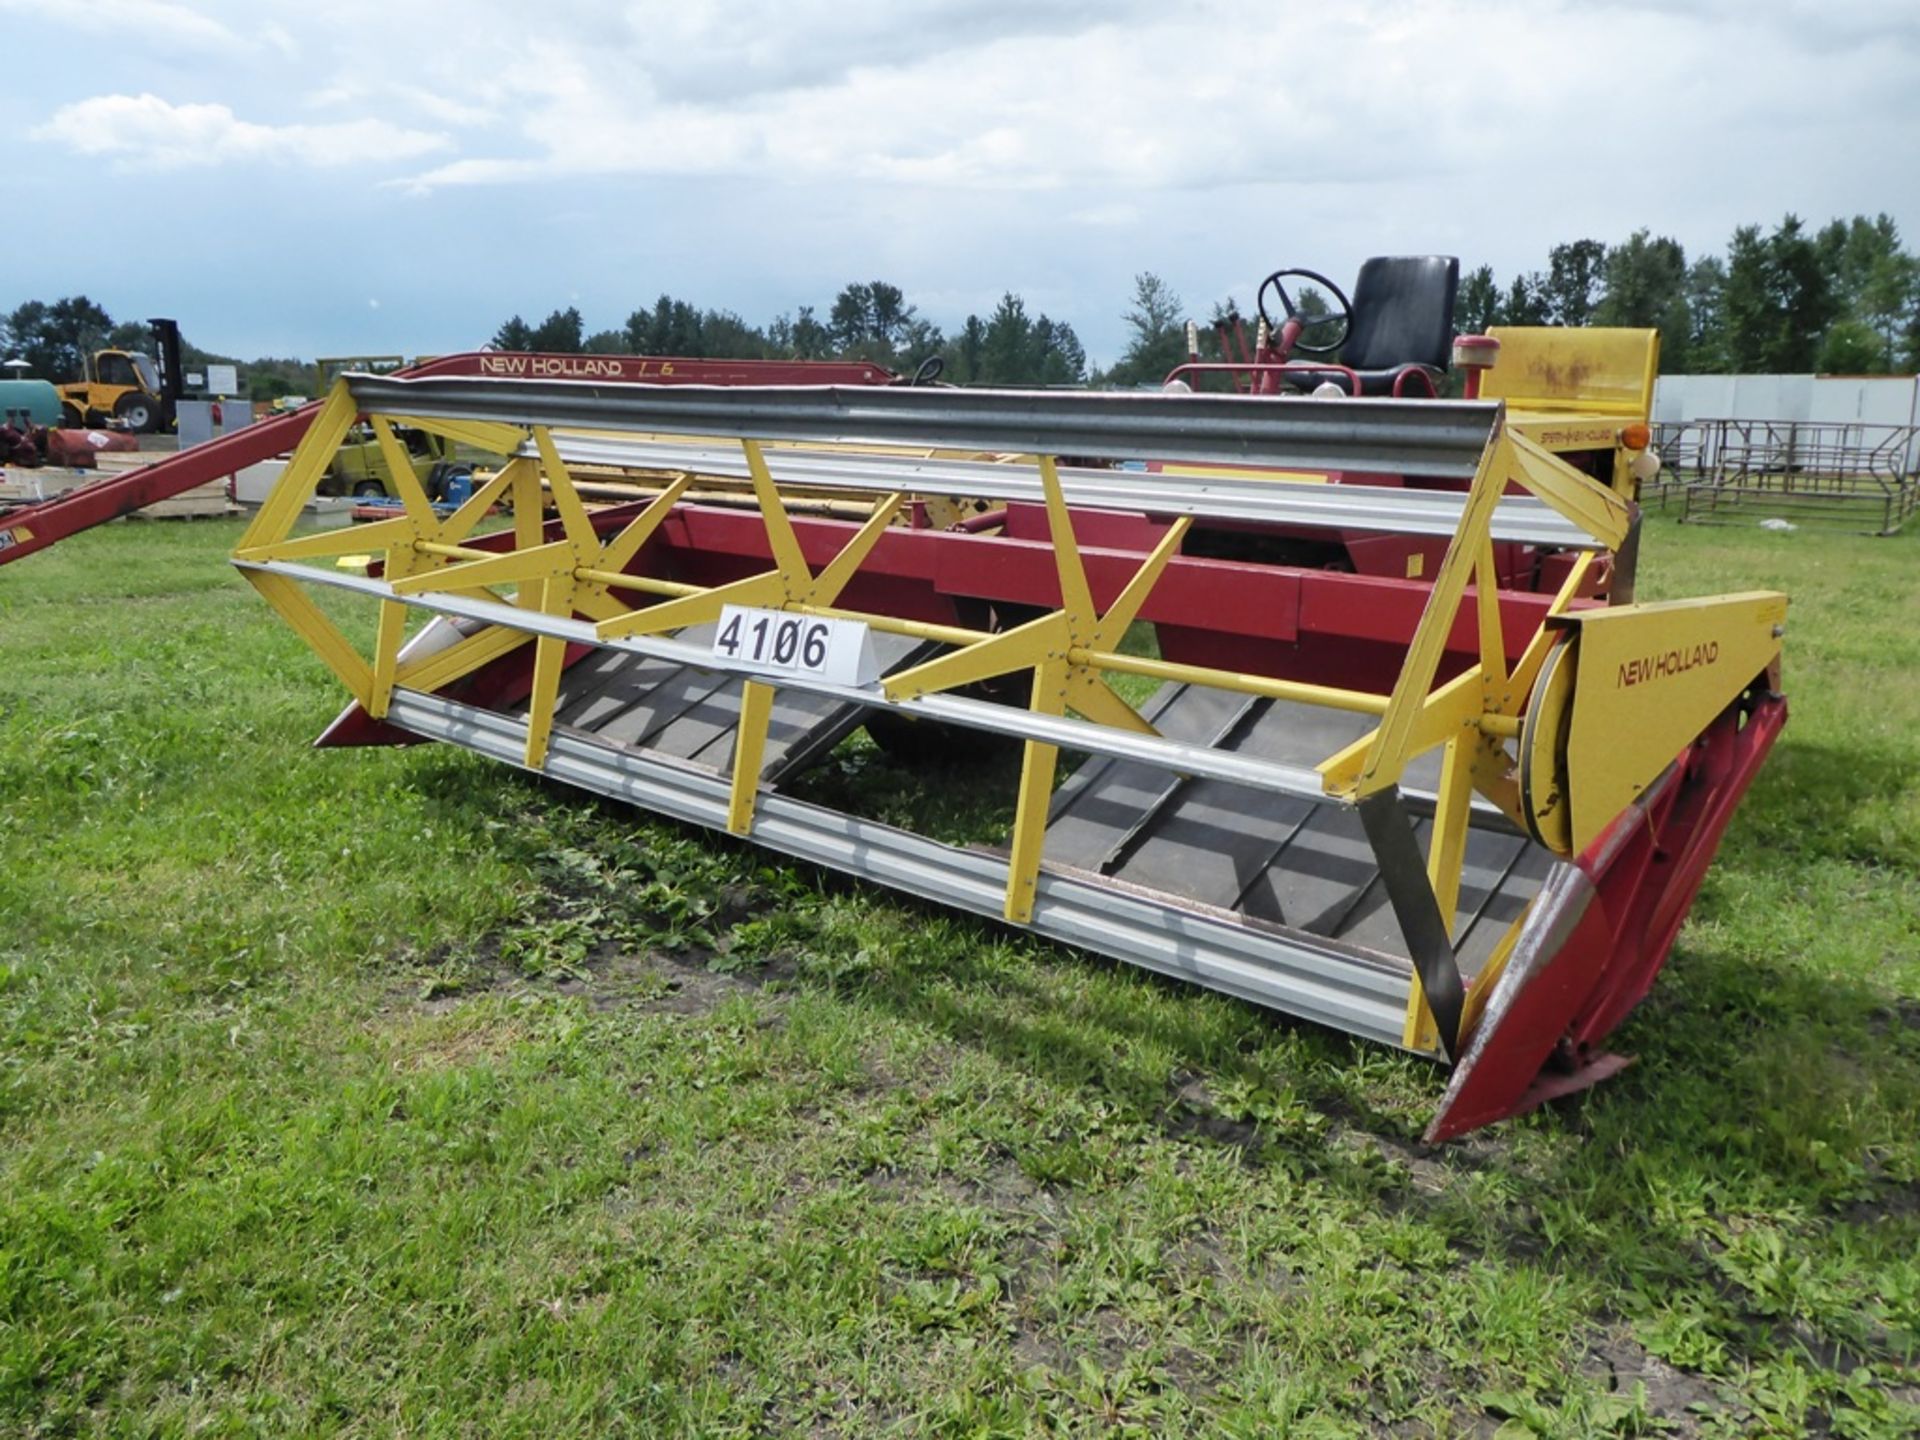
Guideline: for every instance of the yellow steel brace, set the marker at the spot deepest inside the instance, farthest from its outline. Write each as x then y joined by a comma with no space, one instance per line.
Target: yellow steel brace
549,653
1594,507
312,625
522,477
485,435
463,657
418,507
380,535
566,500
756,697
1037,764
310,461
749,744
1392,746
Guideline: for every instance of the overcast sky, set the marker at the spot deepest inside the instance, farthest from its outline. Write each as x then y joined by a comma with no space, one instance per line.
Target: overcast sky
359,176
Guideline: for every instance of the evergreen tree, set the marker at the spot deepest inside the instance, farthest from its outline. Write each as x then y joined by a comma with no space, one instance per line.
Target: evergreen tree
1749,327
1778,299
55,339
810,340
1644,277
129,335
1159,334
1573,279
1875,283
1057,358
726,336
1011,347
1852,347
1006,352
850,321
1646,286
1705,296
873,321
970,349
516,334
1477,306
561,333
919,342
1804,294
1526,301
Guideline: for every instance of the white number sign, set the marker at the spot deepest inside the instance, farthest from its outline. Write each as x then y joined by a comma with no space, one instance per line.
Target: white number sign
837,651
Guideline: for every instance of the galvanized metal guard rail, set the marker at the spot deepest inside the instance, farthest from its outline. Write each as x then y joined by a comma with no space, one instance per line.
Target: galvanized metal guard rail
572,584
1519,519
1440,441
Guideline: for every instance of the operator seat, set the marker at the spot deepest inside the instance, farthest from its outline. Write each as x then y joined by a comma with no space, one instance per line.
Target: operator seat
1402,320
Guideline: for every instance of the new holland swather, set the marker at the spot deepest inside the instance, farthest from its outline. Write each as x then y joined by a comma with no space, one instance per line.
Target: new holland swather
1418,766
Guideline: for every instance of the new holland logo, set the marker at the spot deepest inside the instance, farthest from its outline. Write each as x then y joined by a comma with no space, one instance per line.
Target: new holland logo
1668,663
567,367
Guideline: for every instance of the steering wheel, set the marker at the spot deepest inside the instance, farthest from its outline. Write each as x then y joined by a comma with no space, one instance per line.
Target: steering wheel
1308,323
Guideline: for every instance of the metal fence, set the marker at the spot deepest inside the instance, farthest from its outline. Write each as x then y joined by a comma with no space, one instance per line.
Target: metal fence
1838,474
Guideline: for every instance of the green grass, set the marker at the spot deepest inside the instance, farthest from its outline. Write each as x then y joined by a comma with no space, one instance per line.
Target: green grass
391,1092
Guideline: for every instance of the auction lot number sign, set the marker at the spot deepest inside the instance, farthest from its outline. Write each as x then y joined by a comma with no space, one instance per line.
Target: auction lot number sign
835,650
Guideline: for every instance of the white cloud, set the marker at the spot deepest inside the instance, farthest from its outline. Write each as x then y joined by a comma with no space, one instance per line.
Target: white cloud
1118,214
149,22
1125,97
757,153
361,89
1030,111
445,108
145,131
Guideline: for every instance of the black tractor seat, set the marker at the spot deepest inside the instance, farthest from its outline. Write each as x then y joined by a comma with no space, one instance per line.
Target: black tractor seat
1400,339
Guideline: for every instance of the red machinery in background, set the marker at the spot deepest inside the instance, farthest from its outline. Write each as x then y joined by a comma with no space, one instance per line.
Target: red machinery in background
36,526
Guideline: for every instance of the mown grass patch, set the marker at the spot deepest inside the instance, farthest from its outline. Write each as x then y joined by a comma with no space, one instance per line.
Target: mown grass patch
393,1092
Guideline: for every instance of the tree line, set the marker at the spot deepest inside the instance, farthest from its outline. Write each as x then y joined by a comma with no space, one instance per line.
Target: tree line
1844,298
55,337
868,320
1841,299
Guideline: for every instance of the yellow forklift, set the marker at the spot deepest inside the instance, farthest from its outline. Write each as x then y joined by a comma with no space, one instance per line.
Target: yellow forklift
126,387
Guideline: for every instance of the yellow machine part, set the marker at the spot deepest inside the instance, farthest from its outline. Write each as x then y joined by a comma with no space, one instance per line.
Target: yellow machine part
1624,692
1240,472
1575,369
1573,390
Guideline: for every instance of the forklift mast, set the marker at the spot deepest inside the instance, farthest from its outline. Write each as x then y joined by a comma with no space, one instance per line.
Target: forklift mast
166,342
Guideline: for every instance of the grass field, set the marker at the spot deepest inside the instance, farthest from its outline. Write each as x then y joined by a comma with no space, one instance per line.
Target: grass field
393,1093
